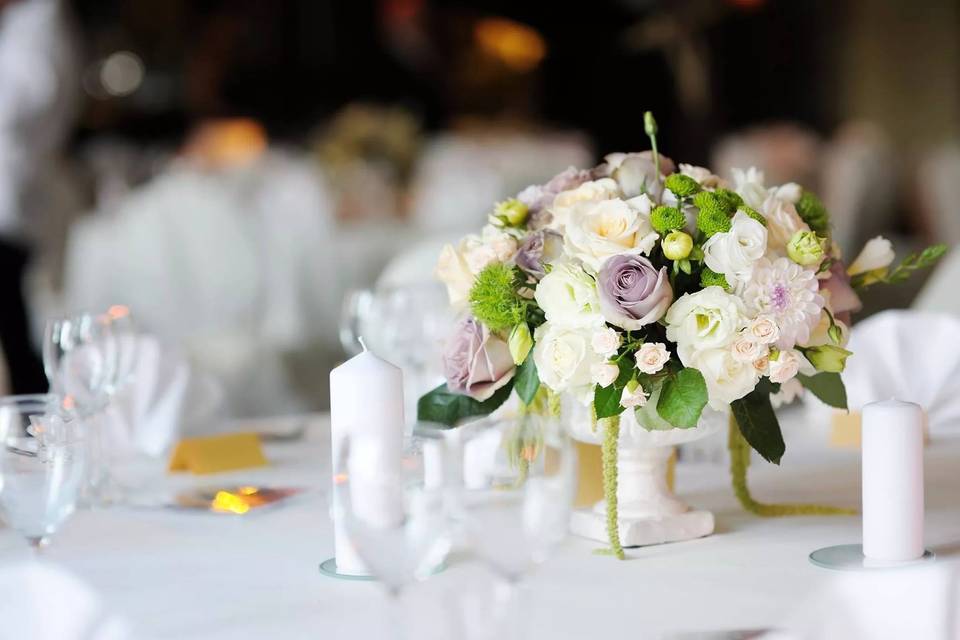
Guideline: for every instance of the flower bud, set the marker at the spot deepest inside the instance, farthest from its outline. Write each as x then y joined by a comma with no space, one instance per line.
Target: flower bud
828,357
520,343
805,248
649,124
677,245
633,395
835,333
511,213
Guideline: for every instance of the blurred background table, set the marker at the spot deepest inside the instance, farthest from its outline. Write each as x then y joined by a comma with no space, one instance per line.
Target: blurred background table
184,575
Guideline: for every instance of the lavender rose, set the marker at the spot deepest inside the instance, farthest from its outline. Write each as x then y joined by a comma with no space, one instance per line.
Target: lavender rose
476,362
632,292
538,248
844,301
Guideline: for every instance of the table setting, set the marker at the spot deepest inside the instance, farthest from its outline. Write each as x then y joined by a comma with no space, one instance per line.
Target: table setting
620,313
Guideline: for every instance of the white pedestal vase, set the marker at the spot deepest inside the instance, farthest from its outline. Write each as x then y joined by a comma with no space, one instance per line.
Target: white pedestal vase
648,512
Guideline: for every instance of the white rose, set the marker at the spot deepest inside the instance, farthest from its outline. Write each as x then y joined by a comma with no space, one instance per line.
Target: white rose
762,364
564,359
604,373
453,270
876,254
749,186
568,297
702,175
783,222
727,378
597,230
707,319
632,396
651,356
595,190
502,244
733,253
764,329
786,366
745,349
605,341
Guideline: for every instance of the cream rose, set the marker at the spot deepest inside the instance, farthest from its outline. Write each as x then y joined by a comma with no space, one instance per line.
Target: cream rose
734,252
454,271
604,373
593,191
764,329
605,341
568,297
745,349
564,359
708,319
651,356
786,366
727,378
596,231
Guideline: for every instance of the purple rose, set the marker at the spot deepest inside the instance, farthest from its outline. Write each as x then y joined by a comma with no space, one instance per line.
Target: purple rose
632,292
476,362
843,299
536,249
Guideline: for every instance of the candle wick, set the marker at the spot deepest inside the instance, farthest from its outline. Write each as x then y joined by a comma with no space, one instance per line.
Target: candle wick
362,343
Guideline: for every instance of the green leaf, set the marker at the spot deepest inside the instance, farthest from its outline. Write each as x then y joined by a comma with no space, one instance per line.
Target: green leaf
826,386
527,382
683,398
445,407
606,401
758,423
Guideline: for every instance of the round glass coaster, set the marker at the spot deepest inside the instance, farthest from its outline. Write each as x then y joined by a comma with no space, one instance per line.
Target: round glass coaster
849,557
329,568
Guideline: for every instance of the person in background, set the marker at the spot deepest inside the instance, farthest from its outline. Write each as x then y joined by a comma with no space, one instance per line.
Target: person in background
39,80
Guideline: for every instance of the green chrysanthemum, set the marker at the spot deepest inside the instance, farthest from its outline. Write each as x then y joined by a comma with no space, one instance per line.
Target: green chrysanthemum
710,278
813,212
494,300
681,185
667,219
711,219
753,213
730,199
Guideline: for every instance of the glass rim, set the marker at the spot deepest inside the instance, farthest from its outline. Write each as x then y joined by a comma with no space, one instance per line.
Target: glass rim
28,399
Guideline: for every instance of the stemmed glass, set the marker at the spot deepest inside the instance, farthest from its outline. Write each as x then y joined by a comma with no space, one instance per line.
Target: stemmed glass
42,463
515,499
394,511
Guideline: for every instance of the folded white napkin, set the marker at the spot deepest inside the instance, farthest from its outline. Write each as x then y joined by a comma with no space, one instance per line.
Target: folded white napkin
164,398
915,602
42,602
909,355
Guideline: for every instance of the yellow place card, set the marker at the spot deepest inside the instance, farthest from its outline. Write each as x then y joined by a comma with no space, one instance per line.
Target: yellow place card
845,430
213,454
590,477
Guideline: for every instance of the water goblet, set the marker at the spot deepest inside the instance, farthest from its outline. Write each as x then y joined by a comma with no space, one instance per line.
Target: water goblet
42,461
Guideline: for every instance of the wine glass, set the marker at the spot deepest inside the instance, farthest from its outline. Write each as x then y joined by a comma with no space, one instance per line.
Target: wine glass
515,498
124,334
394,510
355,312
42,460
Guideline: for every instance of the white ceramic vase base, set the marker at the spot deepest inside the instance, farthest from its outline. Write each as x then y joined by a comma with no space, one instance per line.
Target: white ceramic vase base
849,557
640,532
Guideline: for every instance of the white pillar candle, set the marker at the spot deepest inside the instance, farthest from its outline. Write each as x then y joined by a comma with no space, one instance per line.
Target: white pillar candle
892,444
366,401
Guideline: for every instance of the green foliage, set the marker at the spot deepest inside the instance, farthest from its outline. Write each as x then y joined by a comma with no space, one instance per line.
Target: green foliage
813,212
827,386
709,278
667,219
442,406
606,400
758,423
711,220
753,213
527,381
915,261
683,398
494,299
682,186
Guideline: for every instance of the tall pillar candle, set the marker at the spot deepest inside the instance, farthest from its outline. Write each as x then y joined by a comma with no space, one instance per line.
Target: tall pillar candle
366,399
892,445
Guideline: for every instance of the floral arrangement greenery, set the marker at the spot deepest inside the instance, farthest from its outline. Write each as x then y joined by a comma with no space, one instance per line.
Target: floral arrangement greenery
641,285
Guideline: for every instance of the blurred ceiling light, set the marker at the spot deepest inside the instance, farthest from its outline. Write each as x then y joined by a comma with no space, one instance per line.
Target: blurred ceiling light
516,45
121,73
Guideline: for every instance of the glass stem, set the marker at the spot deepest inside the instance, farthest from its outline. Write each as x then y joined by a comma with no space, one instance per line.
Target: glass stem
395,614
510,616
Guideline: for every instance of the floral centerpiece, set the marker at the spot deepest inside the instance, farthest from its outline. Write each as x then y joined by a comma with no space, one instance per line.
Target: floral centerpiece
646,286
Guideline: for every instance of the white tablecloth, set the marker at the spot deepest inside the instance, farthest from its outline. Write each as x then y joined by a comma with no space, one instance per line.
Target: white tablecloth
179,575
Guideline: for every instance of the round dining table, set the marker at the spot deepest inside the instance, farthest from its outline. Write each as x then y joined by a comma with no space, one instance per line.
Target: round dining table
179,574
